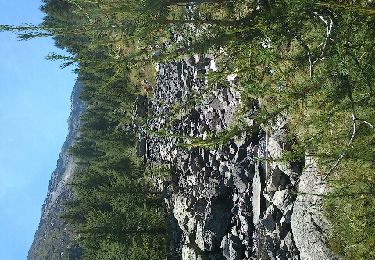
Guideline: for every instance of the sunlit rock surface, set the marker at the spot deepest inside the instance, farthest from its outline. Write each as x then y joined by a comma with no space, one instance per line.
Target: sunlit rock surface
235,201
310,228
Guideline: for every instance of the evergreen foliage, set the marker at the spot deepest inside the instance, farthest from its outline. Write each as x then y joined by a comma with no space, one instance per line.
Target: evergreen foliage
308,60
114,212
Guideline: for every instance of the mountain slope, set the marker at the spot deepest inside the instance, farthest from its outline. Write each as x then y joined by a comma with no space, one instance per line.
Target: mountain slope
53,238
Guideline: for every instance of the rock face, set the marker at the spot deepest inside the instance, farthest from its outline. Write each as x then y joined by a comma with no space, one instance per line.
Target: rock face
53,239
309,226
237,201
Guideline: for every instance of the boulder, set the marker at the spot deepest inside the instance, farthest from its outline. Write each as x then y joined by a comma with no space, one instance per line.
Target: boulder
309,226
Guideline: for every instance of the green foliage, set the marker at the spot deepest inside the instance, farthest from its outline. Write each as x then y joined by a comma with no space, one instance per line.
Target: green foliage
311,61
115,212
351,207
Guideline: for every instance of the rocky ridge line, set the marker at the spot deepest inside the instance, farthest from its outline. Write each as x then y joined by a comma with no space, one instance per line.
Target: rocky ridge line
53,238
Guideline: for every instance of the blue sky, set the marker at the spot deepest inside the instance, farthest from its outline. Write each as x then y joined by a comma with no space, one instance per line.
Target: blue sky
34,107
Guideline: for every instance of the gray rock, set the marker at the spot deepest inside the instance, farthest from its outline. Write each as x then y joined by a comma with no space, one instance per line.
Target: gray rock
233,202
277,180
205,239
310,228
232,247
188,253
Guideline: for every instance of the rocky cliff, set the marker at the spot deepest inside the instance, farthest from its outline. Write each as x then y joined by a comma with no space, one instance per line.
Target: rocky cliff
235,201
53,239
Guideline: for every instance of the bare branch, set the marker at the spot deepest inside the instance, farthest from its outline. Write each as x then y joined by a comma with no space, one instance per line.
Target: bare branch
308,52
354,131
366,122
343,154
328,21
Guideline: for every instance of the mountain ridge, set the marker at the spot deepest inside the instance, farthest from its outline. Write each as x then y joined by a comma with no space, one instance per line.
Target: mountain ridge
53,238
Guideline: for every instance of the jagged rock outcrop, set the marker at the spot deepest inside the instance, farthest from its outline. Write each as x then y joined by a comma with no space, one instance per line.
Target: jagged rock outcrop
54,239
236,201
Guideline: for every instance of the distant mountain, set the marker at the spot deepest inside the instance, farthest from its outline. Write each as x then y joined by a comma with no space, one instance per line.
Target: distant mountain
54,239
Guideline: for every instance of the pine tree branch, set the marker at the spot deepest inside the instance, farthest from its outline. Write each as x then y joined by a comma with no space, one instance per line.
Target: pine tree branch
354,131
311,59
308,53
369,11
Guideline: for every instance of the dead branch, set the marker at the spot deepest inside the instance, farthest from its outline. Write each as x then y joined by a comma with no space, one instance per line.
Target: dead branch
354,131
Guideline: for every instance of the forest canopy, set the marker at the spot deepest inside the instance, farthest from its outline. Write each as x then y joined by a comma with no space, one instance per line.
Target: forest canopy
310,61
